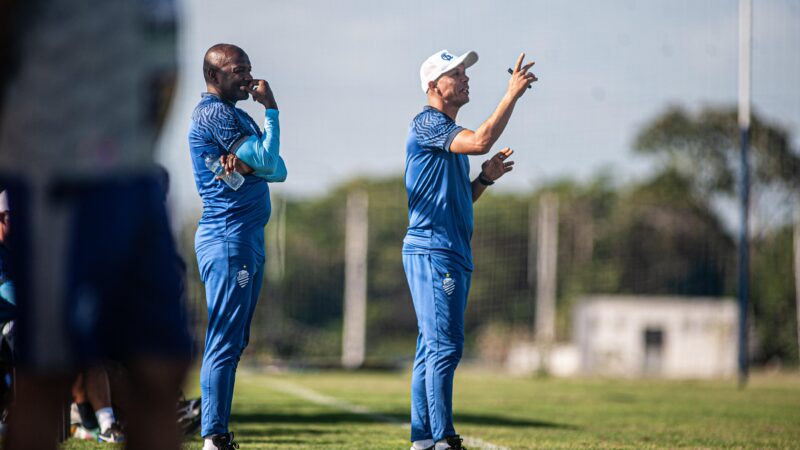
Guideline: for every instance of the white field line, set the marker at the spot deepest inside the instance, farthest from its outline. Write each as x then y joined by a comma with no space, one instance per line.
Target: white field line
322,399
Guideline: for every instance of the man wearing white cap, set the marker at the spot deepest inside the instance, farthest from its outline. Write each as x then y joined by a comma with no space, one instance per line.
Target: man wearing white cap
436,250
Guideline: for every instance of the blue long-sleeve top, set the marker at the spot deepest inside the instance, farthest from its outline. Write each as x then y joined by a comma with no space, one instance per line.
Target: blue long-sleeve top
262,153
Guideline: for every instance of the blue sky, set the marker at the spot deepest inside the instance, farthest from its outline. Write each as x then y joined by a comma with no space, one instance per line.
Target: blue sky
345,75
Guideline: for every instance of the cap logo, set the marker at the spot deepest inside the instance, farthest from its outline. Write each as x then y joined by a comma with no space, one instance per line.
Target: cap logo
446,56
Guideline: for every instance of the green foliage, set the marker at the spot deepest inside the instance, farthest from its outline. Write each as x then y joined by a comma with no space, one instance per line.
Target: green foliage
705,147
499,288
774,299
668,241
314,245
586,263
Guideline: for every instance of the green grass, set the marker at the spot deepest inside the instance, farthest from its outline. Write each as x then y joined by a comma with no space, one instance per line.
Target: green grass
517,413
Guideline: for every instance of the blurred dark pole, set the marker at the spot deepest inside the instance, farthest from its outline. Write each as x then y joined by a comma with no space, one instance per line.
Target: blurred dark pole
744,259
745,24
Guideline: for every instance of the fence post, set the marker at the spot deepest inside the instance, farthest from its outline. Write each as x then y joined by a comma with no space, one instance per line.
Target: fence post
355,283
546,269
276,241
531,274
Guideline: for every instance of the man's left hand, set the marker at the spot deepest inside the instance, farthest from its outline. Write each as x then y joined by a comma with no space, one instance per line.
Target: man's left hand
498,165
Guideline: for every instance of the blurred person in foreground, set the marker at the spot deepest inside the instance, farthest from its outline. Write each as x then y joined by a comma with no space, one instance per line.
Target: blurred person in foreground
230,237
8,312
8,304
86,92
437,256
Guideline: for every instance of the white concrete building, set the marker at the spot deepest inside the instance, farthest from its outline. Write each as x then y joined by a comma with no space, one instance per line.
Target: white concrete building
672,337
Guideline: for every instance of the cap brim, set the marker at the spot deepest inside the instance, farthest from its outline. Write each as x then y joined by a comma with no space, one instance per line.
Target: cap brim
468,59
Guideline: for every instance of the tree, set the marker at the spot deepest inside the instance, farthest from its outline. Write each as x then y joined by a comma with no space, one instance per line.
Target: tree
668,240
704,148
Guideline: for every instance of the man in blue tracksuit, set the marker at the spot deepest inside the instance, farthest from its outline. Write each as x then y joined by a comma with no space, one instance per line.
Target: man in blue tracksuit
436,250
230,237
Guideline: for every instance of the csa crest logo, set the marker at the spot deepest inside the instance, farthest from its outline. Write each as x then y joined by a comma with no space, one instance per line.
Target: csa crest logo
243,277
448,284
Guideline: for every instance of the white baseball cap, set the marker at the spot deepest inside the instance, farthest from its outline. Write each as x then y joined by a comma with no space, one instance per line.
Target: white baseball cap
441,62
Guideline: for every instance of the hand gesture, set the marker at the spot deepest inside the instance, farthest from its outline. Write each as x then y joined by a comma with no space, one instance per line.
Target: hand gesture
521,79
262,93
498,165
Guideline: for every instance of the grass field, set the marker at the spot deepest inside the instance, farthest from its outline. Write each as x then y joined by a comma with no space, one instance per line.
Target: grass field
336,410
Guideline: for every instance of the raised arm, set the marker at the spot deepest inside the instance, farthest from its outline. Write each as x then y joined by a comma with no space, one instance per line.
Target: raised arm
480,141
263,155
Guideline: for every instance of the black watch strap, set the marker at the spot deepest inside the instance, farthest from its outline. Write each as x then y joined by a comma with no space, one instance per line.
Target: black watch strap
483,180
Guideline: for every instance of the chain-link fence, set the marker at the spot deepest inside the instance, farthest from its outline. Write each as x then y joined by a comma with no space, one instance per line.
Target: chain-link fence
670,233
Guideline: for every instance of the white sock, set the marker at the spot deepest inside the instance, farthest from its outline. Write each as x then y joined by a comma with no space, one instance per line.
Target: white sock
74,414
423,444
442,444
208,445
105,417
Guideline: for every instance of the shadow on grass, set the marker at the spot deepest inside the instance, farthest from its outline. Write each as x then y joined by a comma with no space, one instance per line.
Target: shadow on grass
500,421
348,418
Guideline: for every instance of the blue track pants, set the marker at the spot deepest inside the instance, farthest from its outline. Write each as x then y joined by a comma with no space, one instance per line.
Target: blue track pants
439,290
232,274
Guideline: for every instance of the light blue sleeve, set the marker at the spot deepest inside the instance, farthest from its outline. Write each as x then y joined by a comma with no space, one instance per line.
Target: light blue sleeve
7,292
263,155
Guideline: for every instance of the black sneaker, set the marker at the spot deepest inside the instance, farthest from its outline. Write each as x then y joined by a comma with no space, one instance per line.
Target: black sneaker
455,442
224,441
113,435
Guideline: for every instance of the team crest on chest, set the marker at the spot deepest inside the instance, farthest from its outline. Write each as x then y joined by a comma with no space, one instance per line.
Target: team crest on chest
243,277
448,284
